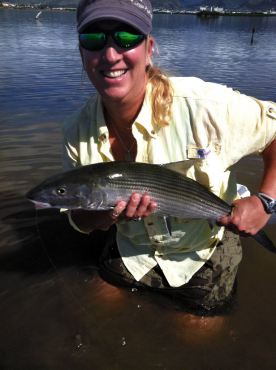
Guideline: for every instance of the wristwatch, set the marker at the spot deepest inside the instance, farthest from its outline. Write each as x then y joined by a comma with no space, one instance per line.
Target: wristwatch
268,202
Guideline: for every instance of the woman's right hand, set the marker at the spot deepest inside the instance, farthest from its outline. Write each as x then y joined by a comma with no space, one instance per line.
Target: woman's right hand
138,206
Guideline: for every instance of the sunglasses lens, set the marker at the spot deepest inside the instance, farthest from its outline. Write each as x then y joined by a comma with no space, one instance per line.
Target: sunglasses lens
92,41
128,40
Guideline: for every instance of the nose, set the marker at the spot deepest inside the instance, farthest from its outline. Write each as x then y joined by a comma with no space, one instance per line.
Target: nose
111,53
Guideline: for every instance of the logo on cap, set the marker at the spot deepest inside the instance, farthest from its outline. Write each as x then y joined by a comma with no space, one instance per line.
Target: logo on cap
140,4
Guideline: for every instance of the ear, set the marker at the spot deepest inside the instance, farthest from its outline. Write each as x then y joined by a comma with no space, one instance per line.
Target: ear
150,46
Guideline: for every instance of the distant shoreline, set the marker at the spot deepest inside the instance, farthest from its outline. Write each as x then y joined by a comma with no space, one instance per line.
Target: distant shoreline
156,11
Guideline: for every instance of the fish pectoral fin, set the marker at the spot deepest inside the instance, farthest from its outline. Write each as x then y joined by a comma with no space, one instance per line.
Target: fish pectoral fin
168,224
95,205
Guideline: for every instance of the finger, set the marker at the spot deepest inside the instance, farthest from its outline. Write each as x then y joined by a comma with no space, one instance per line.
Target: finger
133,203
143,206
223,221
118,210
151,208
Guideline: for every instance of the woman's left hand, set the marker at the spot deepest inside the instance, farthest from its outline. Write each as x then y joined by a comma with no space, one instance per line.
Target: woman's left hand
248,216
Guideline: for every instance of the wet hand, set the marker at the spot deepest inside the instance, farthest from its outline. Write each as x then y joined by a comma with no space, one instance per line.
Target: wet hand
247,218
138,206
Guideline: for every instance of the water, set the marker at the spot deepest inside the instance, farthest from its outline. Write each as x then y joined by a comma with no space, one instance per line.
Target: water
54,313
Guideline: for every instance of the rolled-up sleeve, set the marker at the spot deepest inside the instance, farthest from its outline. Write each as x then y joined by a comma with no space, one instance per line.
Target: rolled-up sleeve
250,127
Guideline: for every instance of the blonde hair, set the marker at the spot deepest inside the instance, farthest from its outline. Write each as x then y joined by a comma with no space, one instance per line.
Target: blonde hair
161,97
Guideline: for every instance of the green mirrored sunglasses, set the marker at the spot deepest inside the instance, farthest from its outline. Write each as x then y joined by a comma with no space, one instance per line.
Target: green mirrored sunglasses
97,40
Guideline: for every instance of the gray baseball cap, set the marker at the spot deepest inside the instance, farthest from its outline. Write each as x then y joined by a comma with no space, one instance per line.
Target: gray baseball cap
136,13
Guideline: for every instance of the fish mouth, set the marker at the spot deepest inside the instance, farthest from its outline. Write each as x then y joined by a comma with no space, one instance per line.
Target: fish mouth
38,201
40,205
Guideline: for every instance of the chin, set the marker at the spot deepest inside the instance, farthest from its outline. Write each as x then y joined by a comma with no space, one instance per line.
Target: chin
114,95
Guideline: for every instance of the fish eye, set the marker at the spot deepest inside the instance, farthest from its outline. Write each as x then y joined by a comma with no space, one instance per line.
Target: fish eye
61,191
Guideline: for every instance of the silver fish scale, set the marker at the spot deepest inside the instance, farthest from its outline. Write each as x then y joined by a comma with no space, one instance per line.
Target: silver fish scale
175,194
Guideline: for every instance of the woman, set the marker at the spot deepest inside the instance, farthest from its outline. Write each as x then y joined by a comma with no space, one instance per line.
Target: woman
140,114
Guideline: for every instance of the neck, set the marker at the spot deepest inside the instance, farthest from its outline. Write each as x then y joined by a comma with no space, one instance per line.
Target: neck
122,114
122,142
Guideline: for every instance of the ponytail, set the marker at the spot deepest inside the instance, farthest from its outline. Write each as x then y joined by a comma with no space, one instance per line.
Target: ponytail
162,96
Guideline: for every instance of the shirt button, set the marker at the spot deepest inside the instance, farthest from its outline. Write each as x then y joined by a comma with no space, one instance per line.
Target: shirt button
103,138
270,110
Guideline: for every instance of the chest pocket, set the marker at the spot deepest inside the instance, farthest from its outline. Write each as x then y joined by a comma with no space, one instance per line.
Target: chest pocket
210,172
207,167
204,166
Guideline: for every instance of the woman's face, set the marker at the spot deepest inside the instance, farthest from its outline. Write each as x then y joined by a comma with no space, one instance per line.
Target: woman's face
117,74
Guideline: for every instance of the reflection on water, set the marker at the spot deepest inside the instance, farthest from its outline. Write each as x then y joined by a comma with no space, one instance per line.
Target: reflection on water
55,311
219,50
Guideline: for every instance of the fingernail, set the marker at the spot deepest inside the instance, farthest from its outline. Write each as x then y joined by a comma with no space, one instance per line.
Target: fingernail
136,197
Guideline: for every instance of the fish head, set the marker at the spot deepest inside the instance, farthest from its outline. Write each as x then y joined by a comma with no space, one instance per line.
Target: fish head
66,191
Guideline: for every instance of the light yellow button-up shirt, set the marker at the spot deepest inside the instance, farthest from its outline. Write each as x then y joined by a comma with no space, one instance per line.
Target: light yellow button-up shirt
212,127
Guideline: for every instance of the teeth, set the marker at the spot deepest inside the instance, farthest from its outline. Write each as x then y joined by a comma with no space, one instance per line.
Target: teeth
114,74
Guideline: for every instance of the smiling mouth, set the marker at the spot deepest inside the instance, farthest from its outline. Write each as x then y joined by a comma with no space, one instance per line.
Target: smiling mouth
114,74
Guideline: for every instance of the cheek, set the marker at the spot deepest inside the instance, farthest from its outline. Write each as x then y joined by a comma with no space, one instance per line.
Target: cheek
136,58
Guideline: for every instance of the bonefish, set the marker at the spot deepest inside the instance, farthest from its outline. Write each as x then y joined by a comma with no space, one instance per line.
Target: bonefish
100,186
